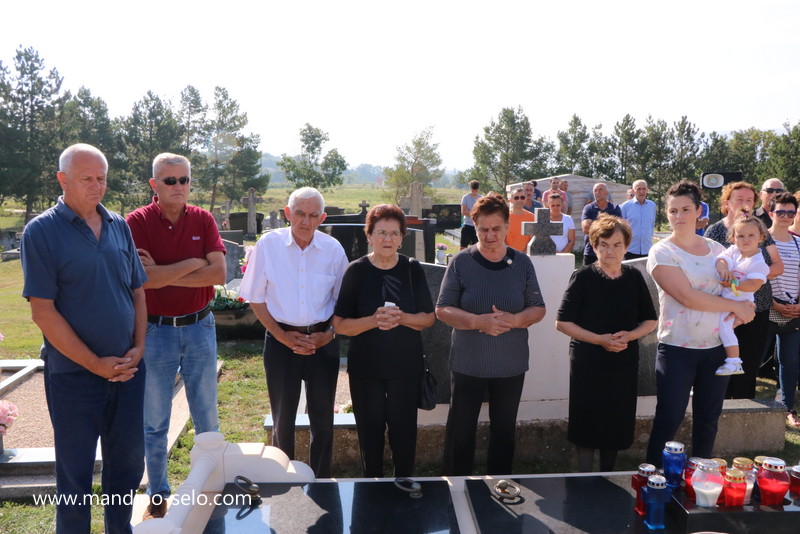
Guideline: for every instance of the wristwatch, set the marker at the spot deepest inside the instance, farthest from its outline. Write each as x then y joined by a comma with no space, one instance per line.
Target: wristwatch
332,330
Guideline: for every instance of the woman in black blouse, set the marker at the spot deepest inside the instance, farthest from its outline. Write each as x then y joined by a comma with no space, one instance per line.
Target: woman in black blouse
383,304
605,310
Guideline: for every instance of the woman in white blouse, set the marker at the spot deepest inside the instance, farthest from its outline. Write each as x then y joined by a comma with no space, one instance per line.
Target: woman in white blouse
689,348
566,241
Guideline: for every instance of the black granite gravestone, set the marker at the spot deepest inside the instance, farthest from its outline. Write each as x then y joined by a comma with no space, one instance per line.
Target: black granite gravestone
337,507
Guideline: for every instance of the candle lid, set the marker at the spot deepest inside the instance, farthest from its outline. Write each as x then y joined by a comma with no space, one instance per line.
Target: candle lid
721,462
774,464
646,470
708,466
795,471
692,462
759,460
675,447
734,475
656,482
743,463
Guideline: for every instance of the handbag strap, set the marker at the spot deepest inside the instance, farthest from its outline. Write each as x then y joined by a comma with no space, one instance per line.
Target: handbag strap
792,300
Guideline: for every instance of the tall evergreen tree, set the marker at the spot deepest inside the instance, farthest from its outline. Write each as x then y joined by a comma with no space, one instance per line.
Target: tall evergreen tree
310,168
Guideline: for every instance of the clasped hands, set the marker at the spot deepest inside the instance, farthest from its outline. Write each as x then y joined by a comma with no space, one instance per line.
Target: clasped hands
305,344
119,369
387,317
496,323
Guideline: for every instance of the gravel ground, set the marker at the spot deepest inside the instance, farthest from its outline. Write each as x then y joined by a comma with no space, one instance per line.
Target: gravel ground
33,429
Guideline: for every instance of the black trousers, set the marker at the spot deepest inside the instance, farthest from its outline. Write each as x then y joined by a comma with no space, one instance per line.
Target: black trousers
753,338
285,373
381,404
467,394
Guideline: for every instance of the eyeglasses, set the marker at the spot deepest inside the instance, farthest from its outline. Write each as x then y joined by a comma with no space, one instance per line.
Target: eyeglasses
772,190
785,213
382,234
171,180
520,198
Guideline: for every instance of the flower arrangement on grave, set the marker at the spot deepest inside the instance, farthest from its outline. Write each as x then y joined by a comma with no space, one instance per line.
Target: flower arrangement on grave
243,261
441,246
227,299
347,407
8,413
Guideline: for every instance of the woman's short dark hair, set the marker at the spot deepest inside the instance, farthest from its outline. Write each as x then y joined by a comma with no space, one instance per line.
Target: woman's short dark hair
474,184
782,198
385,212
555,196
686,188
605,226
489,204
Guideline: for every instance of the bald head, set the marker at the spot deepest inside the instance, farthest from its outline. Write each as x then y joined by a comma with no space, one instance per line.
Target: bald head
768,190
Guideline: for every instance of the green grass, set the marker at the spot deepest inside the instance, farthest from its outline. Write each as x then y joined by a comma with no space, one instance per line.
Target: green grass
22,336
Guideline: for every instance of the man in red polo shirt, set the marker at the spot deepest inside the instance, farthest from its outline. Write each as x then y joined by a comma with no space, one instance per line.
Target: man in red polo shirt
183,256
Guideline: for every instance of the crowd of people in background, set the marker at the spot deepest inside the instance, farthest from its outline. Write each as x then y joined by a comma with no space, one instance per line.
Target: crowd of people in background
125,307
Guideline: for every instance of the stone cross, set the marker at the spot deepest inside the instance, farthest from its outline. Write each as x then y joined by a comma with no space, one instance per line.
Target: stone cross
250,201
226,217
415,202
273,221
364,205
541,230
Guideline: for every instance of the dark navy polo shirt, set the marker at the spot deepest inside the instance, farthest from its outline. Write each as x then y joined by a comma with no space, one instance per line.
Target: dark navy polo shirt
592,211
90,281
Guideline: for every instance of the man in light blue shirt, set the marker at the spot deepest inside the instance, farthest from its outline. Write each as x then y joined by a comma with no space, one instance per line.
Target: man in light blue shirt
641,215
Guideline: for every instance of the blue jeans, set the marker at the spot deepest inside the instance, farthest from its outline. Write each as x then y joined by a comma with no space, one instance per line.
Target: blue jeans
787,347
84,407
679,369
191,351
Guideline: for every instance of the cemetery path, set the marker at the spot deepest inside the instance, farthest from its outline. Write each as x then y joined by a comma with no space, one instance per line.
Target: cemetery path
32,428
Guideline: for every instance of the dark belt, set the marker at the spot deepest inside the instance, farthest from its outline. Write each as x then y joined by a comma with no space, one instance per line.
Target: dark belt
310,329
183,320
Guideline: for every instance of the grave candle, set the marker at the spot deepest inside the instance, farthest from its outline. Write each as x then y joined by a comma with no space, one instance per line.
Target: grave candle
655,495
773,481
734,488
723,468
639,481
794,480
707,483
745,465
691,465
674,460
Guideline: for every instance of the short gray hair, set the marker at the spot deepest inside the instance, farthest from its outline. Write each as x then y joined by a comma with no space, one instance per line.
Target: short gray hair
305,193
633,185
167,158
65,160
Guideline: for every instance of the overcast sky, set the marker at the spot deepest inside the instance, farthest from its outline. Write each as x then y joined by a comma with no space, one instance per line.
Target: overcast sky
374,73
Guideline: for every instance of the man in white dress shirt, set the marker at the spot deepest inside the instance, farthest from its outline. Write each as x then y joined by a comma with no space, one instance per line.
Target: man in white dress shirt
292,282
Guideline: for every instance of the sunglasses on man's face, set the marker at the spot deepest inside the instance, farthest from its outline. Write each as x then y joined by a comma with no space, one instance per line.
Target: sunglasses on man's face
785,213
520,198
171,180
773,190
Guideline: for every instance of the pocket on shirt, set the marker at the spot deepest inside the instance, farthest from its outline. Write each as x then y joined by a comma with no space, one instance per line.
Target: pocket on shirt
323,286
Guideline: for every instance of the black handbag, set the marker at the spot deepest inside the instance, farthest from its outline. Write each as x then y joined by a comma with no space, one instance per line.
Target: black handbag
427,382
427,388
